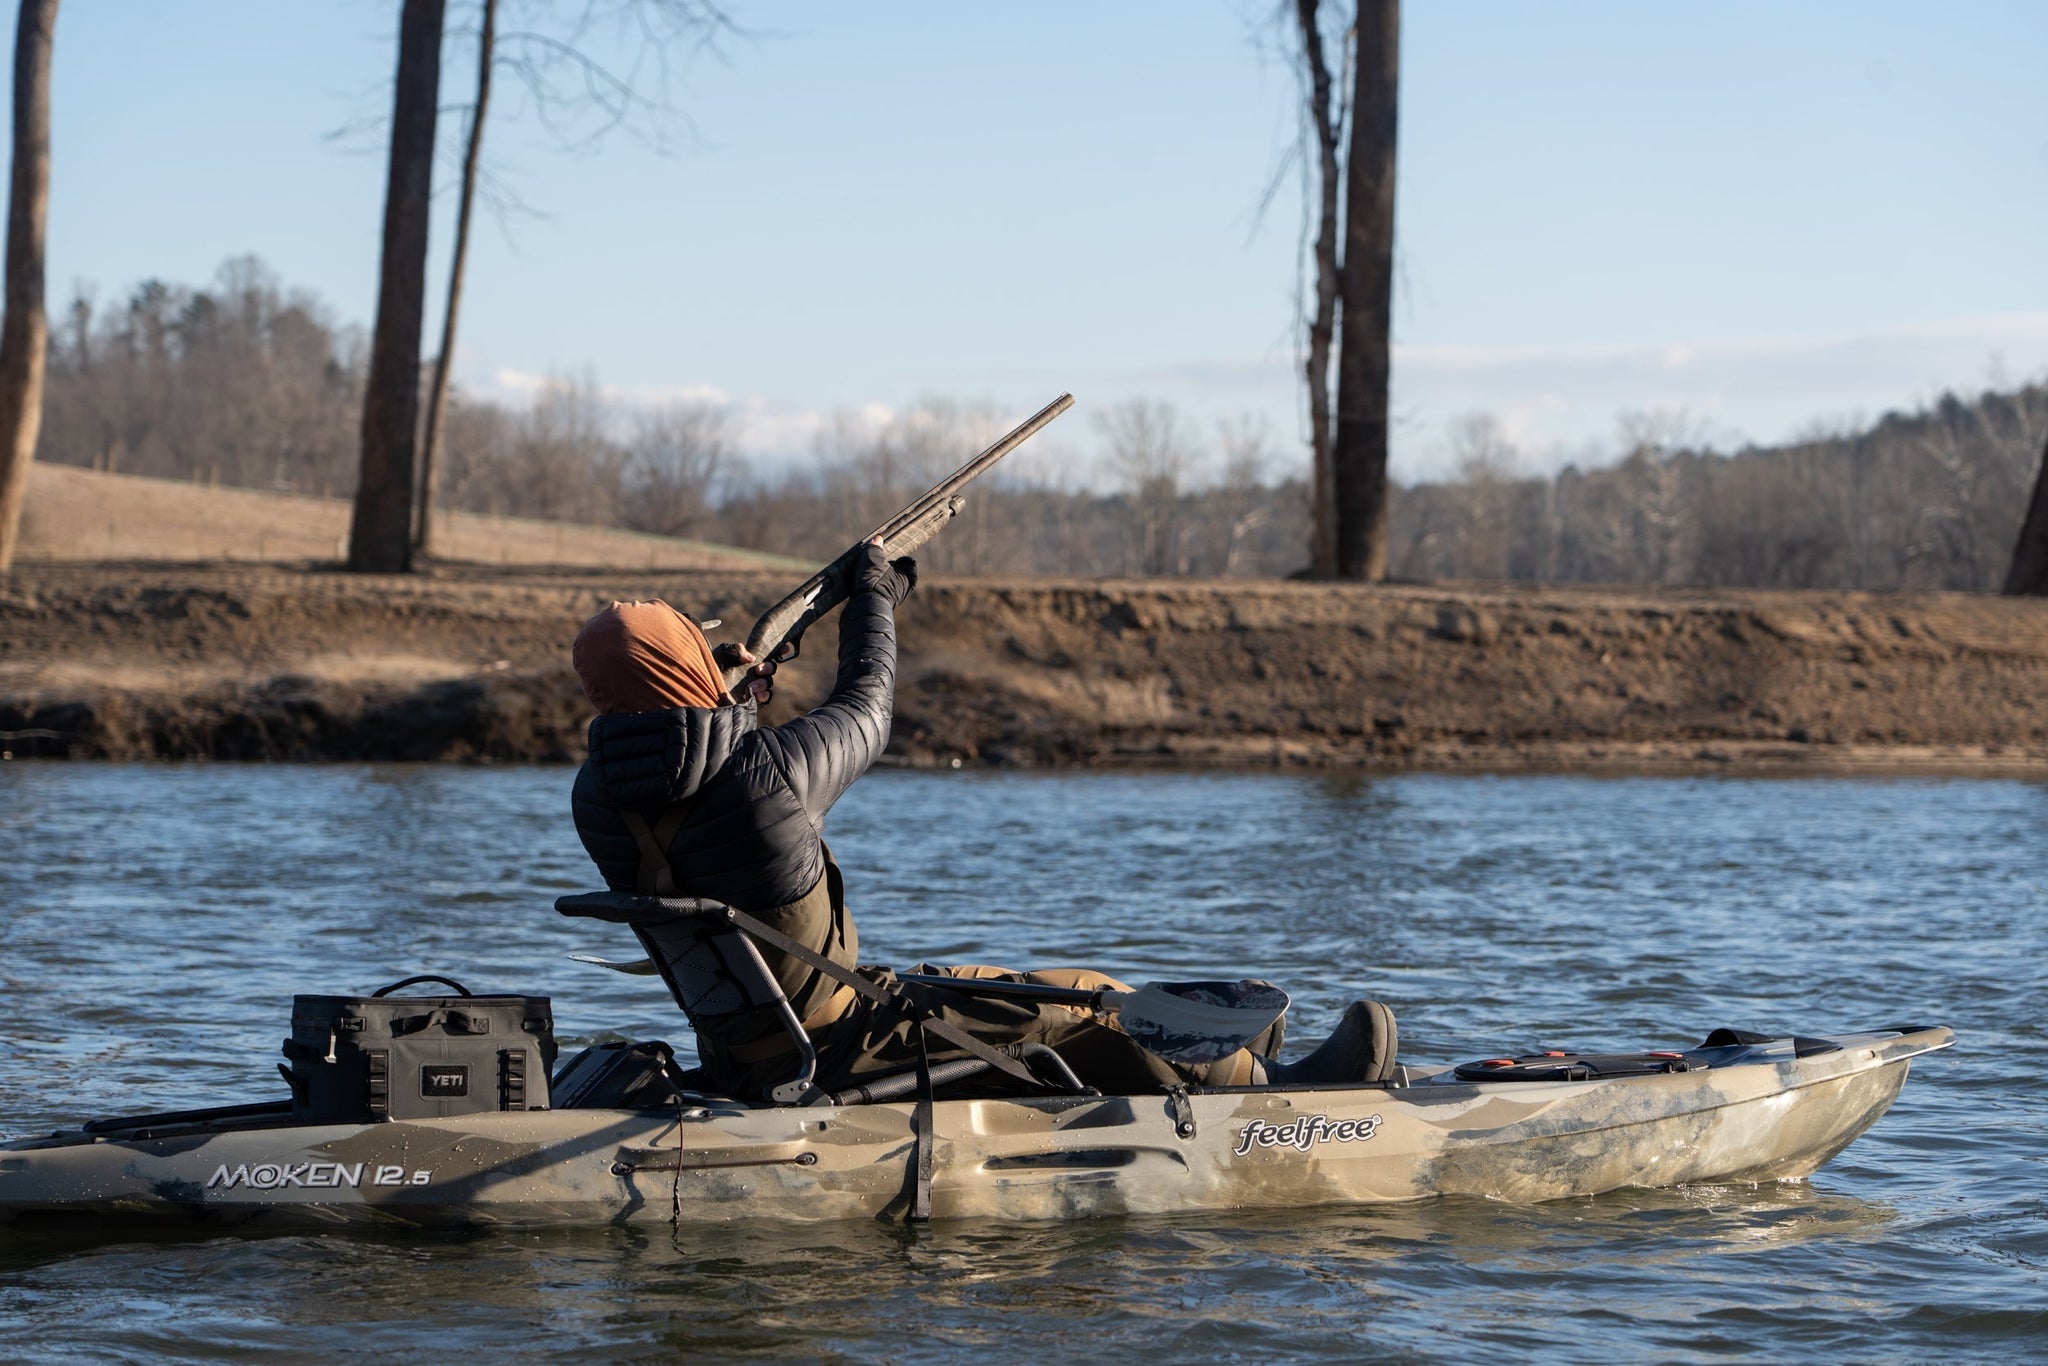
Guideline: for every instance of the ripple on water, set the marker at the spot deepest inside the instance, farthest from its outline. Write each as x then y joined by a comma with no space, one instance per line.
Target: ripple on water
1493,912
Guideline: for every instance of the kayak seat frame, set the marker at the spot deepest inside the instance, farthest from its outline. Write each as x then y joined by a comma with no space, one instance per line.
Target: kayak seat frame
700,951
689,940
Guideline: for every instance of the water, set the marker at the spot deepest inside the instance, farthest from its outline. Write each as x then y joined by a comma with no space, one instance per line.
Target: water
154,923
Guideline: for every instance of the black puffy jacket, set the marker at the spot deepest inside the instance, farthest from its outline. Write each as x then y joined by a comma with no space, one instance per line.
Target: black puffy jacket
752,835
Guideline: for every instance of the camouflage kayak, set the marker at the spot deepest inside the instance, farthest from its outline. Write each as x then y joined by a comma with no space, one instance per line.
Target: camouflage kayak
1738,1108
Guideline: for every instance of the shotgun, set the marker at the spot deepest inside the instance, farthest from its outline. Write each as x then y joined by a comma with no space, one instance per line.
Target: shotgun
776,637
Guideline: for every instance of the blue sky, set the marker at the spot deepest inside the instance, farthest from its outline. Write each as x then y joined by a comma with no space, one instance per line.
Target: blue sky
1762,215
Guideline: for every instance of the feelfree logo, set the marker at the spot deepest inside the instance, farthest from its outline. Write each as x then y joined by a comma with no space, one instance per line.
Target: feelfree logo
1304,1133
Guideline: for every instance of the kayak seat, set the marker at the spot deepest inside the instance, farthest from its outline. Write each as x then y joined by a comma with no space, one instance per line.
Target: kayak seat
628,908
714,968
1360,1050
711,967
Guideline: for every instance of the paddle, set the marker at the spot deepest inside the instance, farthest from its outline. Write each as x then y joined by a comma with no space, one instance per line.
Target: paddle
1185,1022
639,967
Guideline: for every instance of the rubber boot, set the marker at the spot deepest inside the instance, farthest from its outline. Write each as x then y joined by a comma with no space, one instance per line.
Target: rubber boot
1360,1049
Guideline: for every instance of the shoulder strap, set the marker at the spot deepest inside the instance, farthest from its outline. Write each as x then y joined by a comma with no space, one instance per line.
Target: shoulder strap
959,1038
655,877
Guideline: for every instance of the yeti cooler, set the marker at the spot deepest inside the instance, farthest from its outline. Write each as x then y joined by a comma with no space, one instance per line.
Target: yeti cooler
360,1059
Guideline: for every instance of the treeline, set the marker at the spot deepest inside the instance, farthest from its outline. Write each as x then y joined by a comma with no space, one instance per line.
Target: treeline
244,383
1925,500
250,384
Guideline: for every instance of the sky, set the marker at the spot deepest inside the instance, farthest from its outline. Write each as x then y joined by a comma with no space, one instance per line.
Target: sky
1753,218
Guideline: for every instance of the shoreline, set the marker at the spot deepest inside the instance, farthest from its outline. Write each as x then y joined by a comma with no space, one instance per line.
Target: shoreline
1871,766
468,664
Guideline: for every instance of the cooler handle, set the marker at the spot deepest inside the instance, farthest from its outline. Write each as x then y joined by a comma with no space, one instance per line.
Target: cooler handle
425,977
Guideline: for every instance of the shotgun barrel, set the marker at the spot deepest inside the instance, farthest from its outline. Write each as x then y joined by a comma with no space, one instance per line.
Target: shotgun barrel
777,635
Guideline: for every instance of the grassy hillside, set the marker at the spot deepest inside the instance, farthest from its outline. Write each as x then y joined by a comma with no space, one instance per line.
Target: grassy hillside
75,514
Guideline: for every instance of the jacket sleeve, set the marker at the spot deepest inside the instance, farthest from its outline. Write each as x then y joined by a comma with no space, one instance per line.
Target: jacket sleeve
823,751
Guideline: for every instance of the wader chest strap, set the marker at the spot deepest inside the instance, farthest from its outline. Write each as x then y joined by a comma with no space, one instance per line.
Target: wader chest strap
655,877
768,934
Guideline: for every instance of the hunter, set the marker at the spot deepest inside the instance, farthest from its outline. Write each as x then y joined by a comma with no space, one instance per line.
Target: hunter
685,793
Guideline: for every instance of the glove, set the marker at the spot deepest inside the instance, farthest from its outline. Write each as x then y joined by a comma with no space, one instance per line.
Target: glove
759,684
903,574
892,579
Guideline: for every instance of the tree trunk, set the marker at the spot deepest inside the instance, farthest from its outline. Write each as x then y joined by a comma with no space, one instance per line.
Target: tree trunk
2028,576
380,533
24,335
1358,455
1322,550
437,394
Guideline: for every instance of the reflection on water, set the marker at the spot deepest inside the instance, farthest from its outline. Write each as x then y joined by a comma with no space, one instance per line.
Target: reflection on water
158,921
1272,1283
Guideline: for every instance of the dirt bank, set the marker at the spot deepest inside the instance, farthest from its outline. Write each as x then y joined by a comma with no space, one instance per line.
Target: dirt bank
229,661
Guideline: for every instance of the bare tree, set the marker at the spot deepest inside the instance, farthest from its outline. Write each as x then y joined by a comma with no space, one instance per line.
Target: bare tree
243,381
1148,446
1485,462
1324,121
1242,496
674,461
1662,507
562,464
1358,453
578,99
24,335
1354,295
2028,576
380,533
243,375
437,392
927,442
869,465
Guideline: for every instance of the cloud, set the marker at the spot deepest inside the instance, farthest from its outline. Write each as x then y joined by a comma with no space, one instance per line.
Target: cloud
1756,389
778,432
772,430
1559,403
522,384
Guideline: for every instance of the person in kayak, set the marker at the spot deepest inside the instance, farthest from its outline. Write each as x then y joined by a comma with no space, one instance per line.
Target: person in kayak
685,794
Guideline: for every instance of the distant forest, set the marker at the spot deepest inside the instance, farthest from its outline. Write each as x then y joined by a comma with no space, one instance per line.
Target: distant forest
250,384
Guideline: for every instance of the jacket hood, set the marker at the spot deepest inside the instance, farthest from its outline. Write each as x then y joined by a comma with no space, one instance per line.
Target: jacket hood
652,758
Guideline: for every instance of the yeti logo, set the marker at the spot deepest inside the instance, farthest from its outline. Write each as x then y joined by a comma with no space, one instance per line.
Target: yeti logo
1304,1133
448,1079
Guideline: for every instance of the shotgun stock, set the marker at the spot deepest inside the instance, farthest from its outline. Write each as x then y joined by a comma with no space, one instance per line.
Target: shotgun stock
777,636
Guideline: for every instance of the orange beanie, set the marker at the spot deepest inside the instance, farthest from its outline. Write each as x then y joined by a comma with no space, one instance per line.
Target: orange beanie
645,656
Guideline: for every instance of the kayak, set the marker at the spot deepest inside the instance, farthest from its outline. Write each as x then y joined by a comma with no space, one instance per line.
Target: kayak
1737,1108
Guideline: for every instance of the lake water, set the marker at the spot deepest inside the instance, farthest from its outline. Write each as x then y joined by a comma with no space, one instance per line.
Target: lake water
155,922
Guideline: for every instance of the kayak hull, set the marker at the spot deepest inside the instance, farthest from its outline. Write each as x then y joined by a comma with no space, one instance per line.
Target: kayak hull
1776,1115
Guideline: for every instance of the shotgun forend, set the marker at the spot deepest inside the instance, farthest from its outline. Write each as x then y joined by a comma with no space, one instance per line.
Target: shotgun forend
777,634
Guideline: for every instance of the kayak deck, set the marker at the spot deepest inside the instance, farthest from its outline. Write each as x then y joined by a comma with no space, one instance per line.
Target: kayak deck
1746,1111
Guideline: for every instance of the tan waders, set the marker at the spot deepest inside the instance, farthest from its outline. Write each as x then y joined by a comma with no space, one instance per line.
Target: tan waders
855,1038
